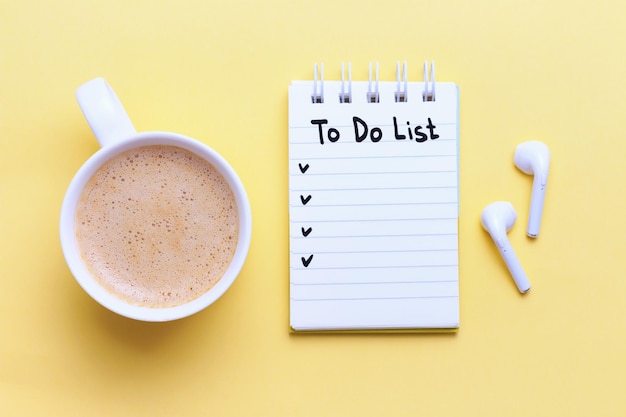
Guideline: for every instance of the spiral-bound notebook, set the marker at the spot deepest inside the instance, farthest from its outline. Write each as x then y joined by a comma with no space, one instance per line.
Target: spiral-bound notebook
374,203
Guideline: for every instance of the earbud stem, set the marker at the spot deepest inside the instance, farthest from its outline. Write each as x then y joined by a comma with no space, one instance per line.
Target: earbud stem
536,206
514,266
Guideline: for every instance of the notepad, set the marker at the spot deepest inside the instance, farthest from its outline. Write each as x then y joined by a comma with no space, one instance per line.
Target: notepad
374,203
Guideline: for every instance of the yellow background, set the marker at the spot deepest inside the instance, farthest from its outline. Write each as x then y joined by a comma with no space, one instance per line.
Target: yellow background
219,71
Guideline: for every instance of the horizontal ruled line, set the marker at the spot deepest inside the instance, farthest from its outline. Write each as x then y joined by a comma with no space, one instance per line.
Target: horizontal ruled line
374,188
376,220
311,174
376,267
373,298
347,158
375,282
427,203
315,142
296,236
377,251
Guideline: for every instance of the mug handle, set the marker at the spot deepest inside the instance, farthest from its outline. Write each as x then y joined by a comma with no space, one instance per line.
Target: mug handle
104,112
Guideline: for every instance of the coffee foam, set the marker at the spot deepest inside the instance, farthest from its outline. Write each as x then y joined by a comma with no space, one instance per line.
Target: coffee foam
157,226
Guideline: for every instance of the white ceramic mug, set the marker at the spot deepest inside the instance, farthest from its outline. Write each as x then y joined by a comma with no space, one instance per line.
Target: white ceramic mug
116,134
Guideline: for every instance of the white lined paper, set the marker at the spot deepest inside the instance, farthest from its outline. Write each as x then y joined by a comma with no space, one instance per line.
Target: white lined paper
373,224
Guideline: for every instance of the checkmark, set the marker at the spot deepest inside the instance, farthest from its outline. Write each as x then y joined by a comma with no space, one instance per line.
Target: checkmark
303,168
306,261
306,232
306,199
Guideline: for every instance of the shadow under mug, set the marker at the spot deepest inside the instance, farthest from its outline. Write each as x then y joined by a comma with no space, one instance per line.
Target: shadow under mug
116,134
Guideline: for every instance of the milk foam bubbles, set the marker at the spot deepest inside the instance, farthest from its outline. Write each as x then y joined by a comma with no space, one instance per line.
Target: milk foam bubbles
157,226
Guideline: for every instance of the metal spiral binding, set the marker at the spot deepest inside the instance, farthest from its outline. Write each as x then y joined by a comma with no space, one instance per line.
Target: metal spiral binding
402,91
318,96
346,97
429,94
372,96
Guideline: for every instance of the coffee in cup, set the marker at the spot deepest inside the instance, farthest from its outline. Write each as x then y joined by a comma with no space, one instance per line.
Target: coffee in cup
157,226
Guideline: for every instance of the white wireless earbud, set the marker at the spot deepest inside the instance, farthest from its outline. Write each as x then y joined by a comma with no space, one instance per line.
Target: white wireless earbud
497,219
533,158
